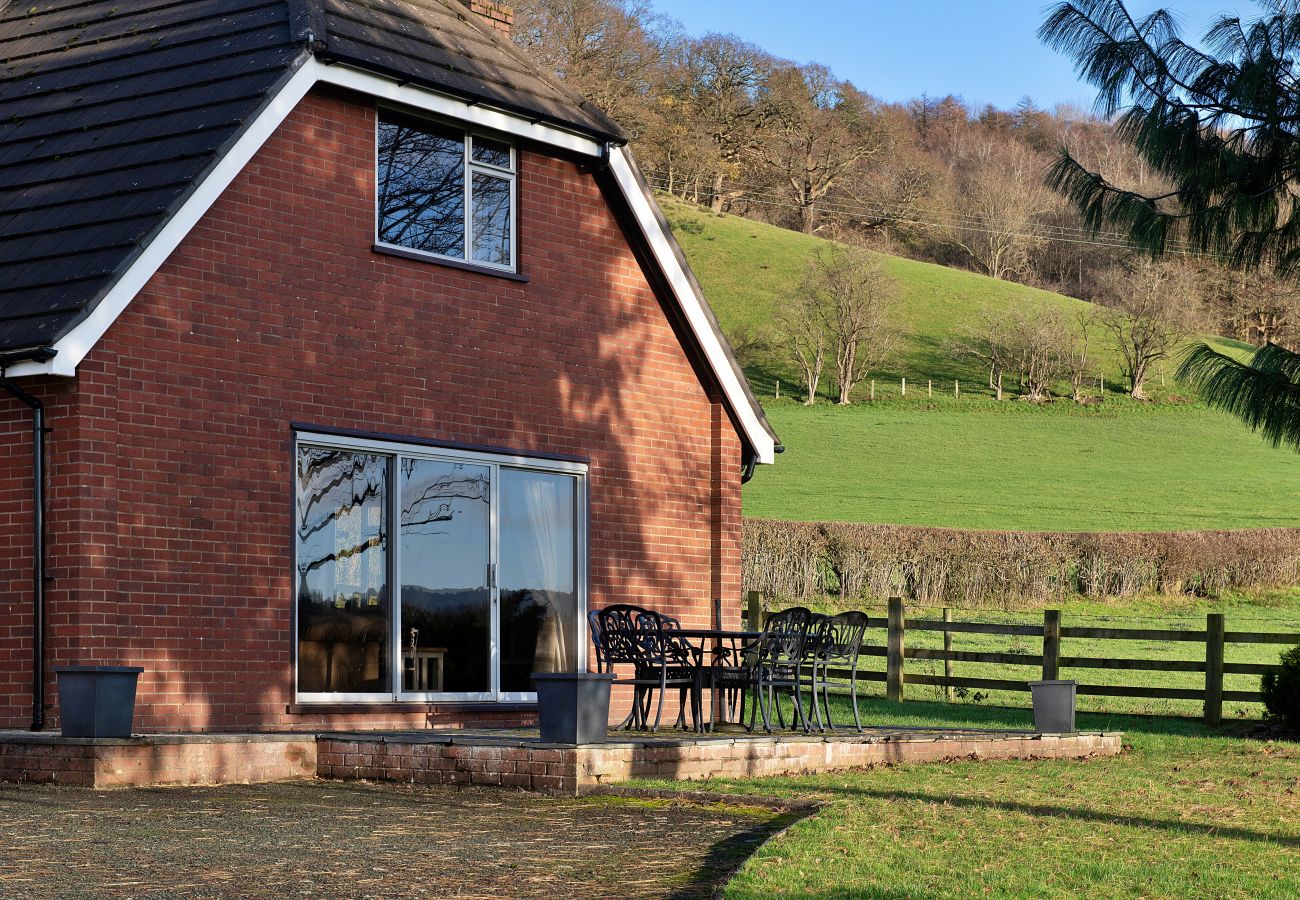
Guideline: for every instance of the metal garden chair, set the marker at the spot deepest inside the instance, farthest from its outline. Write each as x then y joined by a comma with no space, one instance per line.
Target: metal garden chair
839,645
641,638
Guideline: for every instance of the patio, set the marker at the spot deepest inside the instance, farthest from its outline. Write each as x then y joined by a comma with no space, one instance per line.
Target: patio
512,758
366,840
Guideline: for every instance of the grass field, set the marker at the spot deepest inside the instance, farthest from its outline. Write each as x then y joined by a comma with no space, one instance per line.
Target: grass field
1185,811
747,267
973,462
1121,466
1182,813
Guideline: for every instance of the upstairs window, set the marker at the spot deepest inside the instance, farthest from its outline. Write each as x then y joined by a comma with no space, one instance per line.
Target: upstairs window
445,192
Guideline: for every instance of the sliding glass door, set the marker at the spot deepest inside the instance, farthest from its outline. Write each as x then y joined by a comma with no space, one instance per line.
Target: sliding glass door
445,623
487,572
538,575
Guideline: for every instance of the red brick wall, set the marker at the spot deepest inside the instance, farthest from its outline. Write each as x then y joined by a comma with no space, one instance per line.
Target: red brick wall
172,461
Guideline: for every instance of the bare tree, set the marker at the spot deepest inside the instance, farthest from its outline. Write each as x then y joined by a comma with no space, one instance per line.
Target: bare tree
988,340
608,51
1156,307
1076,363
1045,342
1034,343
818,131
802,323
1000,198
855,298
716,86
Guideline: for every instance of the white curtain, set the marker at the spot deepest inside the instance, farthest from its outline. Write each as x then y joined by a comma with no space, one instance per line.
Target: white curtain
548,510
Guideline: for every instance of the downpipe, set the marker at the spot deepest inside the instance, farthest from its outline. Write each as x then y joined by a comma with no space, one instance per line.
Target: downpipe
38,524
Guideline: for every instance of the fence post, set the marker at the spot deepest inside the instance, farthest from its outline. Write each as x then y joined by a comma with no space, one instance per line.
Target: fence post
902,392
956,389
894,659
1051,644
929,388
1213,669
755,602
947,654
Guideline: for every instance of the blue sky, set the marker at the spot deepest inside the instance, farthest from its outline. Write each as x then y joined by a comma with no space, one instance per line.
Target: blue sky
984,50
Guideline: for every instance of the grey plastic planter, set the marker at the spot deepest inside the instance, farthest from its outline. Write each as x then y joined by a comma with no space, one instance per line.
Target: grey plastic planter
1053,706
97,701
573,707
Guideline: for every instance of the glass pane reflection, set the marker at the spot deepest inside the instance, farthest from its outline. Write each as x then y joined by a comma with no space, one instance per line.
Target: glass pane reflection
491,220
539,600
342,557
421,175
491,153
446,600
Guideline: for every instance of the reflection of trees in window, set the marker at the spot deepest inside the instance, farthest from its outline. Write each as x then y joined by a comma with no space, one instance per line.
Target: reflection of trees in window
422,191
340,517
491,219
422,188
424,505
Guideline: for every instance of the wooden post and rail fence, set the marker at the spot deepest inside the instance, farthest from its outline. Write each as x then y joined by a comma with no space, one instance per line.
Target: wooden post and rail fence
1050,661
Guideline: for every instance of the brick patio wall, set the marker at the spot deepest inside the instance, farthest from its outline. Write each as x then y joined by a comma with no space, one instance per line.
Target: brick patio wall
171,457
161,760
570,770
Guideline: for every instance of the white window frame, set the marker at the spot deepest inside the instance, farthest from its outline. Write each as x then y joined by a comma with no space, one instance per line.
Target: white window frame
471,167
395,451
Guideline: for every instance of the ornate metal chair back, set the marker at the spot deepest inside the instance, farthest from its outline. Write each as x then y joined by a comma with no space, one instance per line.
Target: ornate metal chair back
597,641
634,635
786,634
843,639
622,633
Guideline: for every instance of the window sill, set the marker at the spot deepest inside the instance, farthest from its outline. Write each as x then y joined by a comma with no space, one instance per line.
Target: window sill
450,263
407,706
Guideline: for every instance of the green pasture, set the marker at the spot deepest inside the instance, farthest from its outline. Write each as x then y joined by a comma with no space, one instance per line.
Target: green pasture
1121,466
747,268
1185,811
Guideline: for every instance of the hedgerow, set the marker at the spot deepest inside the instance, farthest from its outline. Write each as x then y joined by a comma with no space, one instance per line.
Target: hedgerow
800,560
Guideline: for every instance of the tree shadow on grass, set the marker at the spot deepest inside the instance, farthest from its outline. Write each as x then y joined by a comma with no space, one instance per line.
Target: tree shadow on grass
726,857
1051,811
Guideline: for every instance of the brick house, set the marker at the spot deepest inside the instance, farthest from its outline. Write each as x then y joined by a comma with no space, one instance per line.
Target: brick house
347,361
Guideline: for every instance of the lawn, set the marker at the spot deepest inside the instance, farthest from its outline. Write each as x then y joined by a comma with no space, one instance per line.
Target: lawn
981,464
1182,812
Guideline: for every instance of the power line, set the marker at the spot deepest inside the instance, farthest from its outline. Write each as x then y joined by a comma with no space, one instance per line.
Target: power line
1061,234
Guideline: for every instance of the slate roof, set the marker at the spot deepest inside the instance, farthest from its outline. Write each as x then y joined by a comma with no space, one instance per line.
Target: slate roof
112,112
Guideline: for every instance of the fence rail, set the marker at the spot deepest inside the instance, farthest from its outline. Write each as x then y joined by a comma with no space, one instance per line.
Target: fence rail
1048,663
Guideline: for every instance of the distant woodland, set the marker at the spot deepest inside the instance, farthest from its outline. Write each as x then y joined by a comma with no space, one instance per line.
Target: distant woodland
720,122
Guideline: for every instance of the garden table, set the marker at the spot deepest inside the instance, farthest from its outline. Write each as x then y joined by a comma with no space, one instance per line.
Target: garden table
723,641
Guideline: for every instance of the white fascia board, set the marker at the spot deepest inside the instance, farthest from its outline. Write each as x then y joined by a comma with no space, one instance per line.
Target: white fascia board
78,342
475,114
691,304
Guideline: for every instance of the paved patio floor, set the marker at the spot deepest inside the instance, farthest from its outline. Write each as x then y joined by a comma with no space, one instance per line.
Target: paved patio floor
321,838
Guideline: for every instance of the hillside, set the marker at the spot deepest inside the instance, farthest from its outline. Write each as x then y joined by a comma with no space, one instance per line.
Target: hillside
974,463
746,267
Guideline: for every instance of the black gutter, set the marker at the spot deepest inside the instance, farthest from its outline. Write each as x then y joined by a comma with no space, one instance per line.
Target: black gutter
39,354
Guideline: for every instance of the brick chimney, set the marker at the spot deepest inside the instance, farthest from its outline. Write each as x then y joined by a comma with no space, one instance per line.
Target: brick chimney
496,15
